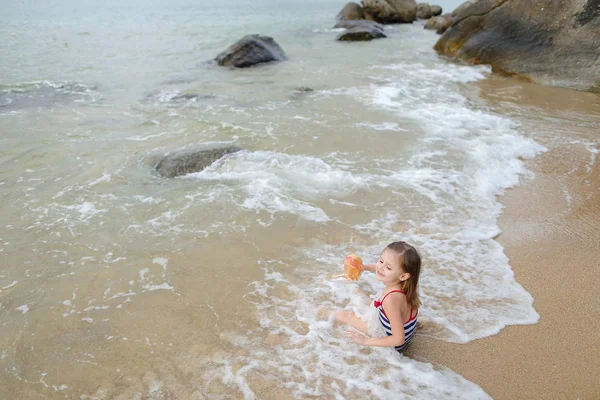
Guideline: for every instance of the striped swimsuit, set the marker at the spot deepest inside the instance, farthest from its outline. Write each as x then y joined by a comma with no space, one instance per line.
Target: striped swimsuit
409,327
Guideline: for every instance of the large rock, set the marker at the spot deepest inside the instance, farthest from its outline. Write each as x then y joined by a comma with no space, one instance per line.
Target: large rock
555,43
423,11
440,23
251,50
360,30
463,7
436,10
187,161
390,11
351,11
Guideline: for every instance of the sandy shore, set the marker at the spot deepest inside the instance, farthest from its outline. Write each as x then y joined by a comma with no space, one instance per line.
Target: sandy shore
551,233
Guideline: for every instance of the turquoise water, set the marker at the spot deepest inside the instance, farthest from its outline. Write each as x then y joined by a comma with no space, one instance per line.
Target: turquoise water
117,283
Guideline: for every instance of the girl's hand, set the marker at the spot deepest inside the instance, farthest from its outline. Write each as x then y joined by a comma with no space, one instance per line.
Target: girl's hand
356,337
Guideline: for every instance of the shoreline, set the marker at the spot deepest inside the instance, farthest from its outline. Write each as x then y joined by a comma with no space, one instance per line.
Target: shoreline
550,232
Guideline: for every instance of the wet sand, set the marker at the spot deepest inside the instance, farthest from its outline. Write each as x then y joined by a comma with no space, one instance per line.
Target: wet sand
551,233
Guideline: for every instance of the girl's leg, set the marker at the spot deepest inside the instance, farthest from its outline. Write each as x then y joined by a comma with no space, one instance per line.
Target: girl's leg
349,318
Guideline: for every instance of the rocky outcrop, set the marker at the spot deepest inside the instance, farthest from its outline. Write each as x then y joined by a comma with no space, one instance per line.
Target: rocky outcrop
351,11
463,7
360,30
426,11
551,42
423,11
390,11
440,23
184,162
251,50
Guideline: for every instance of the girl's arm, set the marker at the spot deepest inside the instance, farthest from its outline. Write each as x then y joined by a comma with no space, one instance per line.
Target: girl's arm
392,304
370,267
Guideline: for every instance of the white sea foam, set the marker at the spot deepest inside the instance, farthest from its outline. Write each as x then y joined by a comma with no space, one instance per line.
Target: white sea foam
24,308
87,210
147,137
439,73
594,149
325,30
163,262
106,177
163,286
9,286
282,183
143,273
386,126
165,96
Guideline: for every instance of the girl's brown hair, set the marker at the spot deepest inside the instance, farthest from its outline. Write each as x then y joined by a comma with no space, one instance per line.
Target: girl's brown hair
410,261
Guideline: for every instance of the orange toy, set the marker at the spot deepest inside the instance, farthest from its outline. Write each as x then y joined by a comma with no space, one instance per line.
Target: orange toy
353,267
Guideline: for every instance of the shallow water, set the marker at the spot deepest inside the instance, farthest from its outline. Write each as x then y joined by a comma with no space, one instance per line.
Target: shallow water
117,283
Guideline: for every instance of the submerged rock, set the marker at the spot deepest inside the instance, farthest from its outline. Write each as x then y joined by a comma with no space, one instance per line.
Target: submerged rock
360,30
390,11
351,11
192,96
187,161
301,92
251,50
544,41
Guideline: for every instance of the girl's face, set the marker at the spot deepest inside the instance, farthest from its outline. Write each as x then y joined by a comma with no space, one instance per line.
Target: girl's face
388,268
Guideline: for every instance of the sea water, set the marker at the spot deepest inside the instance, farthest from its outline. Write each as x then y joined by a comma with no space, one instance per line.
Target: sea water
118,283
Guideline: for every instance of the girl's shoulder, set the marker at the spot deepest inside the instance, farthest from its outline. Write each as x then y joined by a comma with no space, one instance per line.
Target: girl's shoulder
396,299
395,295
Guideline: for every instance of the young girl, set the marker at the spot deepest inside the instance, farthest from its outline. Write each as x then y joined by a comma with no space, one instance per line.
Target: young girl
398,306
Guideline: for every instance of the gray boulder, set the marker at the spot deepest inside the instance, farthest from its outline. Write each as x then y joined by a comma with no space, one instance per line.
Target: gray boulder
436,10
555,43
251,50
360,30
390,11
187,161
351,11
440,23
423,11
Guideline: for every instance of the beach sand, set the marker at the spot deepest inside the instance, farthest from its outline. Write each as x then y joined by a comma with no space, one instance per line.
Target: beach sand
551,233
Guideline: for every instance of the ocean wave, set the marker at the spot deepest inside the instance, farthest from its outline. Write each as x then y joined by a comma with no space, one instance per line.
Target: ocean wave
46,94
